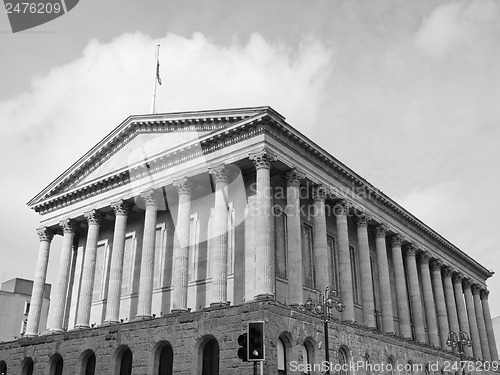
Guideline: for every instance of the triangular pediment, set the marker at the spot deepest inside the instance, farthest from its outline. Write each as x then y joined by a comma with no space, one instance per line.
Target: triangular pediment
143,139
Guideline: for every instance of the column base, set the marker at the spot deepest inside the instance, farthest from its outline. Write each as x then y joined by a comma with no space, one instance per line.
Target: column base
80,326
142,317
30,335
177,311
51,332
264,297
216,305
108,323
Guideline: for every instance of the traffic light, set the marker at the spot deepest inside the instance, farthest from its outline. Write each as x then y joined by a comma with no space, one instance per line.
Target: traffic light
255,345
242,351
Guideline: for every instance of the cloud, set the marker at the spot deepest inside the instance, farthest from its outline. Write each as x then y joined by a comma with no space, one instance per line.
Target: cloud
68,110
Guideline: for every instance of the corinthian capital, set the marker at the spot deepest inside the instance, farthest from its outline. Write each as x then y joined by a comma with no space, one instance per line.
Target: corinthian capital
424,257
341,207
68,226
45,234
294,176
149,198
121,207
381,230
436,264
485,294
411,250
263,158
93,217
362,220
448,271
467,283
219,174
397,240
457,278
183,186
476,289
320,193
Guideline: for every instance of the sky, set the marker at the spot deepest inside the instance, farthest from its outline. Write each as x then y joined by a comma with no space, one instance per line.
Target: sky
403,92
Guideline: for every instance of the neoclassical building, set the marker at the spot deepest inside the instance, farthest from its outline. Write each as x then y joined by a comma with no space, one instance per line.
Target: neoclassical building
179,228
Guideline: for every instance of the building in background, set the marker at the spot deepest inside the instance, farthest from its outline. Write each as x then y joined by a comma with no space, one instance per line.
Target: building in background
15,301
180,228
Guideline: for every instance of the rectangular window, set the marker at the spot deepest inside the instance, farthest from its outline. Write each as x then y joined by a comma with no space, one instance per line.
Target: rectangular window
307,255
280,243
101,268
27,305
355,274
128,264
160,245
334,263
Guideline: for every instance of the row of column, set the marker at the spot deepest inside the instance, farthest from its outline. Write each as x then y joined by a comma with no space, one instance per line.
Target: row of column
425,289
264,252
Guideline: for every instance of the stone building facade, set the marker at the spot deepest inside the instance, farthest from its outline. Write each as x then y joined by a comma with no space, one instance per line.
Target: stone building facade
180,228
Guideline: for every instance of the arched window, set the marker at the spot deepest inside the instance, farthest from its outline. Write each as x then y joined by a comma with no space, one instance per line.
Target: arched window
305,359
3,368
88,363
27,366
124,361
164,359
343,356
210,359
56,365
281,357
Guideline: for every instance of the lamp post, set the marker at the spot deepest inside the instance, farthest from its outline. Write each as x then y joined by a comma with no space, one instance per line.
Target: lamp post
326,302
458,341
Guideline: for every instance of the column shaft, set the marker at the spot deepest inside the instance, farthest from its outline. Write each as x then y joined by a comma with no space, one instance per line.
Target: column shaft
264,226
483,336
366,273
219,241
430,308
295,273
471,315
181,246
442,314
345,273
69,294
87,282
36,302
145,300
462,313
415,298
451,306
121,210
320,245
384,279
490,333
401,291
58,301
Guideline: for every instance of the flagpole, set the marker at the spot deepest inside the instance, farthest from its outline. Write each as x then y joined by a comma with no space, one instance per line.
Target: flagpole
157,57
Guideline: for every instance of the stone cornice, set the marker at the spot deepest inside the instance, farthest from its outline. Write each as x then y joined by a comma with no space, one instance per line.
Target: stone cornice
240,128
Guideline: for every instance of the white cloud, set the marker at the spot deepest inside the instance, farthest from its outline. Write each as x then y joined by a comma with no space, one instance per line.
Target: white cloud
71,108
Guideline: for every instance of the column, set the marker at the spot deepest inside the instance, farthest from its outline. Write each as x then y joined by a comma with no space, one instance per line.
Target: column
121,210
483,336
471,315
345,273
69,294
489,325
430,308
451,306
442,314
366,272
462,313
322,259
401,291
181,246
220,177
384,279
145,299
415,298
87,281
45,235
294,238
264,226
58,300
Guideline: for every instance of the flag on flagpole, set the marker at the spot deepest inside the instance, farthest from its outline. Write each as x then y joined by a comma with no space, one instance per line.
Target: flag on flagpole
158,72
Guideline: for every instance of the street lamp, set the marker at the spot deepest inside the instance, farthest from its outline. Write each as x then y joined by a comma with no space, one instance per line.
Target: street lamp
459,341
326,302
